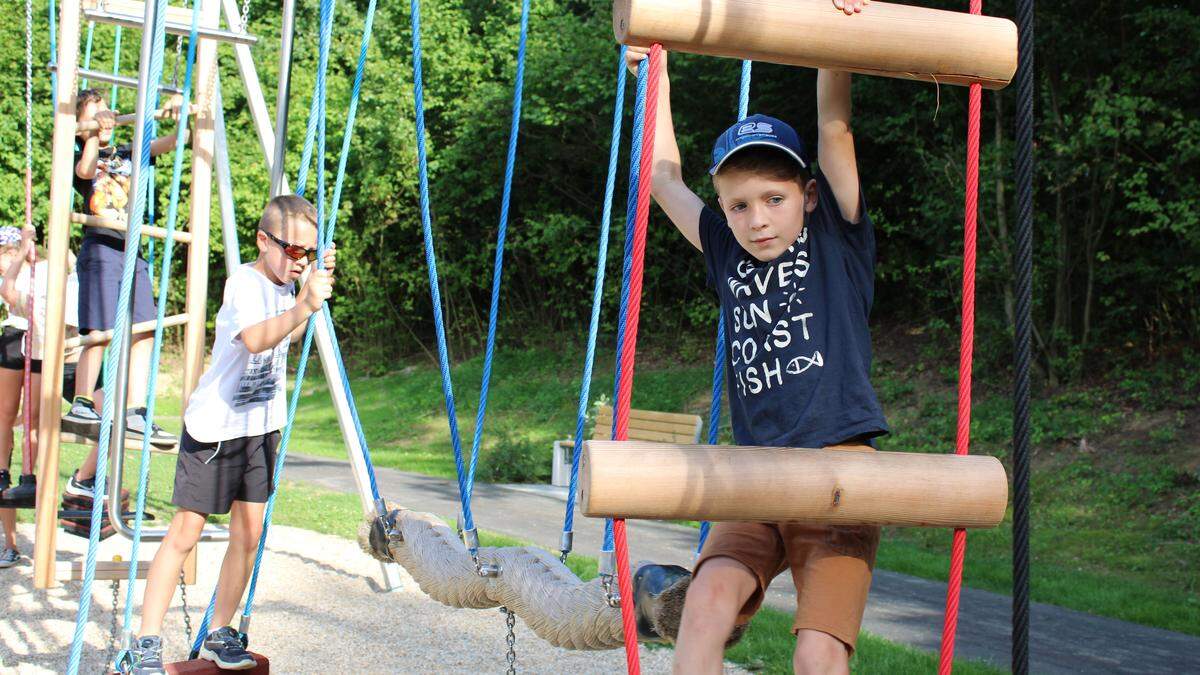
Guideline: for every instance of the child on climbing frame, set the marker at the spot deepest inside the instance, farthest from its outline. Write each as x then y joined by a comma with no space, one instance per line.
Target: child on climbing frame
791,253
232,422
102,174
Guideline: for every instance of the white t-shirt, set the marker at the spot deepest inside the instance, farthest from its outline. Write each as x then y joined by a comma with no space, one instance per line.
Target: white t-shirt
242,394
18,315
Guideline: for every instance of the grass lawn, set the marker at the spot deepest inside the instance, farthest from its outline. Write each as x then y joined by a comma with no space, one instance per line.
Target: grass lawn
767,646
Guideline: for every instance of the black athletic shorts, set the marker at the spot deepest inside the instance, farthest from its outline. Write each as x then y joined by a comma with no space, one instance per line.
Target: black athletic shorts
12,351
210,477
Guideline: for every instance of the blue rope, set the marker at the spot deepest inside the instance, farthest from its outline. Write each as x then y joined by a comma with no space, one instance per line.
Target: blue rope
498,267
116,70
87,52
137,213
614,149
635,154
156,353
316,116
718,378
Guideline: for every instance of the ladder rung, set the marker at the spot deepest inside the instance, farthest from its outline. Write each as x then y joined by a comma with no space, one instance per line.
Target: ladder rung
119,225
130,15
98,337
124,120
134,444
109,78
106,570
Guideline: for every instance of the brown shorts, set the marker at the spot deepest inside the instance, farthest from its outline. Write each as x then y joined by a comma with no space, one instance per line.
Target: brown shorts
831,567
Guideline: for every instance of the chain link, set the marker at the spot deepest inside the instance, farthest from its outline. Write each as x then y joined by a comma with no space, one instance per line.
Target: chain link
187,617
510,622
114,631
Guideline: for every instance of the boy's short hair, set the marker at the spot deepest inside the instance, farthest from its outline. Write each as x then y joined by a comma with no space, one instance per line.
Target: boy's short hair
768,161
86,96
284,208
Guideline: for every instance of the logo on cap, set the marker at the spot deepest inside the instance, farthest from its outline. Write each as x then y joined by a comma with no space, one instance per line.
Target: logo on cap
755,128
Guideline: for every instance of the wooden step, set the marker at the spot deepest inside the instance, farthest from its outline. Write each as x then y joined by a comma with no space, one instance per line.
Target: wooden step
130,443
106,570
100,337
120,225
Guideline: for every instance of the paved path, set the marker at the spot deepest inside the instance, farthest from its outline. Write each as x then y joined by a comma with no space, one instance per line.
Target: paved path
902,608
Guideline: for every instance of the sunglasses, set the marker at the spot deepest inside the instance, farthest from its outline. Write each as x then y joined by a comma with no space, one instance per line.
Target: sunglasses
293,251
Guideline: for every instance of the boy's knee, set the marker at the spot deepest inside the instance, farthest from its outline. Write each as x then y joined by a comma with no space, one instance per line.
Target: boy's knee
246,537
818,652
721,585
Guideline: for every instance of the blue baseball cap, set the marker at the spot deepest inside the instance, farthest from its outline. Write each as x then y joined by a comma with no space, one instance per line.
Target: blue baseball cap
757,130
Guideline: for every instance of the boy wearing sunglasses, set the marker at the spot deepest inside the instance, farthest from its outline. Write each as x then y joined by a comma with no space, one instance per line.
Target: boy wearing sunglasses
231,428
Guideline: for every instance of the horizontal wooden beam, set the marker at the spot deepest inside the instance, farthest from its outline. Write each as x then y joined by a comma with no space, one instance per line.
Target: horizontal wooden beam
885,39
661,481
119,224
106,570
99,337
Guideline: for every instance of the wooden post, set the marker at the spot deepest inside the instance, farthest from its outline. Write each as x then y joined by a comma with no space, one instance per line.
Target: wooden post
667,481
62,170
203,144
885,39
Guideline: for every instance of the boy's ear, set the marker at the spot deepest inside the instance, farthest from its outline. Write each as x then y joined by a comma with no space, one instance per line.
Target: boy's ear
810,195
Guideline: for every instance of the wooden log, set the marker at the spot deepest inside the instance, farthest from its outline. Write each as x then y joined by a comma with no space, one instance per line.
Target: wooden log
634,479
885,39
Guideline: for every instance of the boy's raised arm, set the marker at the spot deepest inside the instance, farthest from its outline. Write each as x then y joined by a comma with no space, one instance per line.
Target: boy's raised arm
835,141
681,205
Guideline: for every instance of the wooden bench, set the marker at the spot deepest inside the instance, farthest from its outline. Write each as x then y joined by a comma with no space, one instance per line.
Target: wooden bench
644,425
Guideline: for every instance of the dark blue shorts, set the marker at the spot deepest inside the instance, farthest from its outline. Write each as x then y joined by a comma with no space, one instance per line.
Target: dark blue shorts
100,265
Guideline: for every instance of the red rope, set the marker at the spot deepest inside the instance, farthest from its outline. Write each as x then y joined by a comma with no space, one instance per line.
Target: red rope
27,444
958,550
629,348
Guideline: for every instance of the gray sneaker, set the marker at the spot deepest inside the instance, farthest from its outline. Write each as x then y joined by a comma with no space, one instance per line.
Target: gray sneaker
135,428
82,419
9,558
146,656
224,647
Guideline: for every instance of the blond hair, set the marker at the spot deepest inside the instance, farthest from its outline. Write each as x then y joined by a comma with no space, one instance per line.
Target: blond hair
284,209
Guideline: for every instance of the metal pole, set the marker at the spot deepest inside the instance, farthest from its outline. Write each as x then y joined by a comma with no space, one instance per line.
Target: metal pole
287,32
233,257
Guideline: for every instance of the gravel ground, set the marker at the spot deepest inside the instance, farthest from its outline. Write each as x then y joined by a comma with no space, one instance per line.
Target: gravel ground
318,609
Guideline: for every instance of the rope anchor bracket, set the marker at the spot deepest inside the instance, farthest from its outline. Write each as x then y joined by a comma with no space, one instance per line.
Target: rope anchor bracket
483,569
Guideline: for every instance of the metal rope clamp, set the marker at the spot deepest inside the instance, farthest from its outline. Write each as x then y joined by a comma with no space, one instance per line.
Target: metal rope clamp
483,569
607,574
385,533
565,546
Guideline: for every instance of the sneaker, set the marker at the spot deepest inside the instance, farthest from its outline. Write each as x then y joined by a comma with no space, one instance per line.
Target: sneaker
81,488
224,647
26,490
135,428
5,479
82,419
146,656
9,558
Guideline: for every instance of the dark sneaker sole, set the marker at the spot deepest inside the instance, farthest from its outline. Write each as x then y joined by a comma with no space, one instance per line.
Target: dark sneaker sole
226,665
89,430
79,492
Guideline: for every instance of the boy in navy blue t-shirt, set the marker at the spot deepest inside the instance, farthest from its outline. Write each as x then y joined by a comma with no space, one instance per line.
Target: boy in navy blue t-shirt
791,255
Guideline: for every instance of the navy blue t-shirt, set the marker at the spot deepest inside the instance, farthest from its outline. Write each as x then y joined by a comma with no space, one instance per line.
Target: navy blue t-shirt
799,350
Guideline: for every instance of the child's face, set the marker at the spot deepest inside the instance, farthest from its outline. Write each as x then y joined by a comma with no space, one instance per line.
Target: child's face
7,255
765,214
298,237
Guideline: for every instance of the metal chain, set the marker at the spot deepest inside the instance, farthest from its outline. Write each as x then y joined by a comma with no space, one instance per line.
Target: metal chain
178,53
510,622
187,617
114,630
29,86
